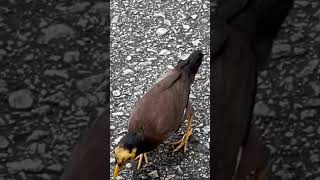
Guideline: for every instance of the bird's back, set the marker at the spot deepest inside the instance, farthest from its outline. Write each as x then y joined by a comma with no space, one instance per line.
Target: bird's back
160,111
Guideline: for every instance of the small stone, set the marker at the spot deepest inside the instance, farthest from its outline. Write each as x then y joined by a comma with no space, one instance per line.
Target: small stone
164,52
167,22
55,167
29,165
21,99
41,110
170,177
309,129
313,102
194,16
117,114
120,178
3,86
129,58
56,31
154,174
36,135
116,141
262,109
308,113
112,127
315,85
71,56
99,8
309,68
196,42
116,93
78,7
28,57
314,158
128,165
288,134
299,51
186,27
206,129
161,31
4,143
127,71
55,72
159,14
179,170
82,102
87,83
280,50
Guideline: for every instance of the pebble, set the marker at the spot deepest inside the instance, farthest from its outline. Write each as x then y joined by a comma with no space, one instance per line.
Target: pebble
167,22
71,56
56,31
37,134
206,129
194,16
164,52
55,167
261,109
78,7
127,71
29,165
55,72
316,87
3,86
159,14
153,174
179,170
116,93
21,99
170,177
196,42
87,83
161,31
82,102
280,50
308,113
4,143
186,27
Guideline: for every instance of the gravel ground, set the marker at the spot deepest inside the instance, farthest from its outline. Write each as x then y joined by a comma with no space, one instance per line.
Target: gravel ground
52,60
148,38
287,110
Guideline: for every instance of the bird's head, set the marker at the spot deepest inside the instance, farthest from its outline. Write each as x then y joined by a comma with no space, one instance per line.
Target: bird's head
127,150
123,155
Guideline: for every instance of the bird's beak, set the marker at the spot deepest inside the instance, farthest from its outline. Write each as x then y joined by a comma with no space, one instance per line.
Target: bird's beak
116,171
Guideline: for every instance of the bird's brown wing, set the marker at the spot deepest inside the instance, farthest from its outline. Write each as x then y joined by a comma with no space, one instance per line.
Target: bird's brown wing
159,112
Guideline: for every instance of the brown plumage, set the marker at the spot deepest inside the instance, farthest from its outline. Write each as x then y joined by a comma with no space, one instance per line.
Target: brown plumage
160,112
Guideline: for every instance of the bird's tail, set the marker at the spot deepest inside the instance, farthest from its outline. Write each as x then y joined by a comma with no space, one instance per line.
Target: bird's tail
192,63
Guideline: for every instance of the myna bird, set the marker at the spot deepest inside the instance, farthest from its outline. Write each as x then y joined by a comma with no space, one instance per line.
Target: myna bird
159,113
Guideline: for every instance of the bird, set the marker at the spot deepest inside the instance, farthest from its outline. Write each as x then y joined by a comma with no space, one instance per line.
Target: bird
159,113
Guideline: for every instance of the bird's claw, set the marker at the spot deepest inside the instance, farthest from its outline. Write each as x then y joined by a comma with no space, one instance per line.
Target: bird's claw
142,156
183,142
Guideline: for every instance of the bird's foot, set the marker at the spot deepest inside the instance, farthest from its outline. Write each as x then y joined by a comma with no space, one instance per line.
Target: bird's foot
183,142
142,156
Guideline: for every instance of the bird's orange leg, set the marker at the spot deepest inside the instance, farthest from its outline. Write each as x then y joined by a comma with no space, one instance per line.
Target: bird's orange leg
184,141
142,156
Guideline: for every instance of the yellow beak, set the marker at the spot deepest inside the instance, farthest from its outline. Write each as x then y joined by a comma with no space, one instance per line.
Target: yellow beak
116,171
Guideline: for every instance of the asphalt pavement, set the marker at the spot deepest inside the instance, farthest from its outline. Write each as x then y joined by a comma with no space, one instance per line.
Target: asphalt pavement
147,39
287,110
